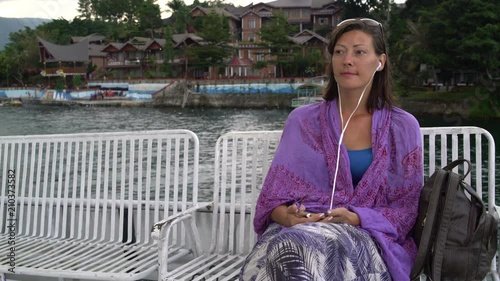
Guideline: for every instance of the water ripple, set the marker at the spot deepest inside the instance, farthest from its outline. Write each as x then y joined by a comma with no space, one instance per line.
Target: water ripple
208,124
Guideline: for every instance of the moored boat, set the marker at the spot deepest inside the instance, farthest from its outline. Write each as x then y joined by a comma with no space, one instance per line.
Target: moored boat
15,103
309,92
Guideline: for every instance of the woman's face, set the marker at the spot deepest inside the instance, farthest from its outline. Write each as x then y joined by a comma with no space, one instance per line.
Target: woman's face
354,60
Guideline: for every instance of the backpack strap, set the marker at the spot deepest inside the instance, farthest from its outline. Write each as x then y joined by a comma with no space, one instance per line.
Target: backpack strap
444,224
425,245
457,162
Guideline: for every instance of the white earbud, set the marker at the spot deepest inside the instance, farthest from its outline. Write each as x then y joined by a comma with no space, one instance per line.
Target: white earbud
379,66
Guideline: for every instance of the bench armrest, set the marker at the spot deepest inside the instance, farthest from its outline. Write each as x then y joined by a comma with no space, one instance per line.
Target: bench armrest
161,231
155,230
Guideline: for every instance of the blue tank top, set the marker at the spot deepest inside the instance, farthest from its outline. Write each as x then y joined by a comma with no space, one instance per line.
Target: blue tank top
360,161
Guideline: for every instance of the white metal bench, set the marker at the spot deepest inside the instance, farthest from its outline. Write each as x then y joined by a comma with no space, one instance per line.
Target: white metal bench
241,163
83,204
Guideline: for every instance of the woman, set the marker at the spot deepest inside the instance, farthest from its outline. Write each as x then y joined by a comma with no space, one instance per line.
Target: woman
343,212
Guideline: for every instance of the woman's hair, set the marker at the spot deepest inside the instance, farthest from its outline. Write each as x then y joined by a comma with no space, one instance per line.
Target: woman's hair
380,94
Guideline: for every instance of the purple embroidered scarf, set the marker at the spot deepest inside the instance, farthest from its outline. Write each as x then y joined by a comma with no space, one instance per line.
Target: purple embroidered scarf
385,199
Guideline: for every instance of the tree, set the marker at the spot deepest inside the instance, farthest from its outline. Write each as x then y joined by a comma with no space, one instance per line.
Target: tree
85,9
215,3
413,50
412,8
90,68
110,10
365,8
259,65
123,11
464,34
179,12
21,54
60,83
76,81
168,52
308,62
275,38
149,16
5,66
356,9
214,50
316,62
58,31
84,27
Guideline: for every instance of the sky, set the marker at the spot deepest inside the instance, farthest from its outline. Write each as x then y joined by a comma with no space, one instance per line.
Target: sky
54,9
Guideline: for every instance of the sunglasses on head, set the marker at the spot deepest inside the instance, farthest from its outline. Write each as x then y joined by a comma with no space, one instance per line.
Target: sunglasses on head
370,22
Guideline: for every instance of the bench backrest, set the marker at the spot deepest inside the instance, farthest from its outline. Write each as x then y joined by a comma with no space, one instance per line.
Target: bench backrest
242,160
97,186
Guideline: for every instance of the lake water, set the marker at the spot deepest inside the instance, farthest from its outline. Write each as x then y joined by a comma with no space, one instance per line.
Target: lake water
208,124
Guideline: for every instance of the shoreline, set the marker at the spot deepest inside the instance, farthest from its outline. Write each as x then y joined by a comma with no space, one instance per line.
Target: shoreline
261,101
92,103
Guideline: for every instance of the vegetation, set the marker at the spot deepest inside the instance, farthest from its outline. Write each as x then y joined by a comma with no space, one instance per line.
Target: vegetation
180,16
428,39
77,81
215,48
168,52
448,35
427,94
274,38
60,84
365,8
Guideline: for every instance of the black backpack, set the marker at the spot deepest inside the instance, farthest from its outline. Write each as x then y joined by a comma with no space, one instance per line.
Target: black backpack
455,235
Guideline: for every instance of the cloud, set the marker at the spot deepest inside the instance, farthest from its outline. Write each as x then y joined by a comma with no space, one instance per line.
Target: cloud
54,9
48,9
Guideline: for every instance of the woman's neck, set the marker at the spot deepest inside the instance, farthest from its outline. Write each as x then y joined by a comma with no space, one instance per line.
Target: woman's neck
350,100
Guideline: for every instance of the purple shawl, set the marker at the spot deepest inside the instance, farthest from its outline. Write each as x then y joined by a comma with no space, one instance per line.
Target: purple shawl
385,199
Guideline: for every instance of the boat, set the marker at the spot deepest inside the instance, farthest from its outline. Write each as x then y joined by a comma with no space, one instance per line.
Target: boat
310,92
14,103
296,102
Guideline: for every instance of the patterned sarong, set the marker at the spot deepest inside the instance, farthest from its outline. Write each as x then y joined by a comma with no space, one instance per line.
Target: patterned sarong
315,251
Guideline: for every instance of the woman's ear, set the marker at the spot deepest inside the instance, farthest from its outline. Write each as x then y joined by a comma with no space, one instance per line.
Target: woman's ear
382,59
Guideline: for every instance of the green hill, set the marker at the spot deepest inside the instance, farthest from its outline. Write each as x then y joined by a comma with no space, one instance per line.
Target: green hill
9,25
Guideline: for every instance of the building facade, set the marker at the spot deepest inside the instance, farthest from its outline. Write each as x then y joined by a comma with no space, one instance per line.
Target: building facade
141,56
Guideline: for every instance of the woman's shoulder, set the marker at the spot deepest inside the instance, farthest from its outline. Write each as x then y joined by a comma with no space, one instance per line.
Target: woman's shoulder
305,111
403,119
405,124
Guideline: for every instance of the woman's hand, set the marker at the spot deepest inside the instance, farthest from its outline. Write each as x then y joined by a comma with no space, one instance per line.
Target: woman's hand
291,215
342,215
